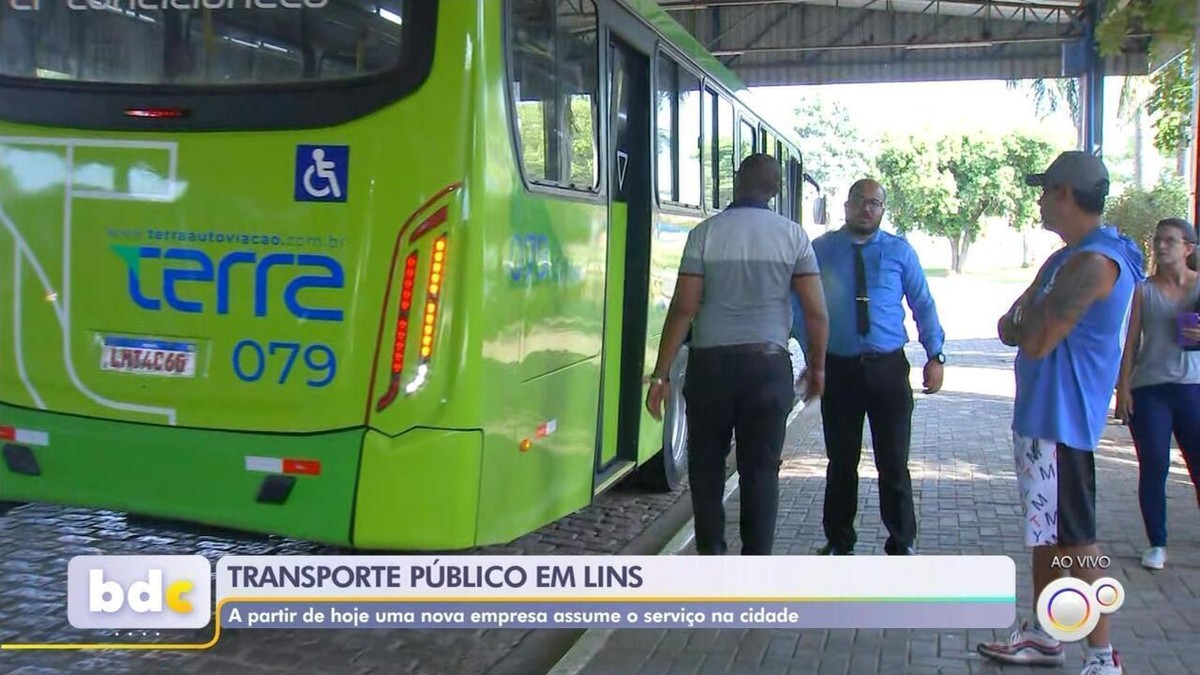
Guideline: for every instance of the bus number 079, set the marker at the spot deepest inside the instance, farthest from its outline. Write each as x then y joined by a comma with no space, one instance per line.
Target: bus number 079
250,361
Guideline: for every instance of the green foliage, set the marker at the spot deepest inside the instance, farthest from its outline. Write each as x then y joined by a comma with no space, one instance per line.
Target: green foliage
1167,20
725,168
920,192
580,134
1136,212
1171,103
1049,96
830,143
1172,25
1026,155
946,187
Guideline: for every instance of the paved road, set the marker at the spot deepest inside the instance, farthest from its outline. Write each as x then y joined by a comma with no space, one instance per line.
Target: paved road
37,541
966,496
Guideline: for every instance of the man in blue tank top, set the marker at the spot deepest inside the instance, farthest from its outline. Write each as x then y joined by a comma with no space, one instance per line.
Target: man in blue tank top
1068,327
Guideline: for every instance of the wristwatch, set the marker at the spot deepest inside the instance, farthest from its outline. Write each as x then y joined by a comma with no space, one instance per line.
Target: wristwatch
939,357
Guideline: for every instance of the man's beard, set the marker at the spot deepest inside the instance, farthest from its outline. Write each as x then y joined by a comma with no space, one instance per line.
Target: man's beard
865,227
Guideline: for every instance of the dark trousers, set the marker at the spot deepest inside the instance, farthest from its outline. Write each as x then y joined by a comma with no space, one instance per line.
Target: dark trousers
875,387
1160,411
747,389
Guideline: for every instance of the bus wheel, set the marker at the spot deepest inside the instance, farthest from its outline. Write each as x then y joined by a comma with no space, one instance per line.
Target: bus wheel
666,470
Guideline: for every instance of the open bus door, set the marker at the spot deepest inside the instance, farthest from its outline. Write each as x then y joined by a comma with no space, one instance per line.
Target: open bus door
627,294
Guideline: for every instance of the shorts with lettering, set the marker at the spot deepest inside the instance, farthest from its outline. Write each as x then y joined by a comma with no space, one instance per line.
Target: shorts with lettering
1058,492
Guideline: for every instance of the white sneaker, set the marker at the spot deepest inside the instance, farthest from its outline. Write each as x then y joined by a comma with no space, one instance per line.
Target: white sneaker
1028,646
1154,558
1095,667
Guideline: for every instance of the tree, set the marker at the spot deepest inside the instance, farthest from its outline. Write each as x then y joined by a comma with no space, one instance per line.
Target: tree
1050,96
830,143
945,188
1171,25
1136,211
1171,101
1026,154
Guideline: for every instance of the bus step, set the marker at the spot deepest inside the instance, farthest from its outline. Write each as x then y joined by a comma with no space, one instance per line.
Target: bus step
275,489
20,460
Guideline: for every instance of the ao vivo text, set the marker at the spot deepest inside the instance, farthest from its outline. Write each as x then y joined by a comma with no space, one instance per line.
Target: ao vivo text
1083,562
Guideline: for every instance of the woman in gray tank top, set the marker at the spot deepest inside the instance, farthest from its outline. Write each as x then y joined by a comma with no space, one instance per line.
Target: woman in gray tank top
1158,393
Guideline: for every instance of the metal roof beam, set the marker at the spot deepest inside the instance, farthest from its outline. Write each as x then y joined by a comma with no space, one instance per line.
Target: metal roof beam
713,42
787,12
851,26
690,5
966,44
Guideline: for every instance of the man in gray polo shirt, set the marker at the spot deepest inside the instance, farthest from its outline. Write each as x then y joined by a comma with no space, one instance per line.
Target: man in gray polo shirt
738,271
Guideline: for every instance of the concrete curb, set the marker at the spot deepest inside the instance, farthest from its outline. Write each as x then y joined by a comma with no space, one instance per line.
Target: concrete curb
594,639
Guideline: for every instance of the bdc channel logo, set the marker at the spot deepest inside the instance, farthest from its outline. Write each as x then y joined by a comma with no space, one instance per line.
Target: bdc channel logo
1070,608
139,591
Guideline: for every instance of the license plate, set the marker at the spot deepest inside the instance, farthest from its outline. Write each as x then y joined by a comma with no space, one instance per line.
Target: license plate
148,357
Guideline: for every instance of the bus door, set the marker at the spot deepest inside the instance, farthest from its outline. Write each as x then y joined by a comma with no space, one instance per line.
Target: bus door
627,291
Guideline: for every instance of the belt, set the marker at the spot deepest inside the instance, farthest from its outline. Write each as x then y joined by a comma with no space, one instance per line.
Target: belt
866,357
764,348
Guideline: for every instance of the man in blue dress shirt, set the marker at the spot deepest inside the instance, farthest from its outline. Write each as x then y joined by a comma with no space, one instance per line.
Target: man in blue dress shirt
866,274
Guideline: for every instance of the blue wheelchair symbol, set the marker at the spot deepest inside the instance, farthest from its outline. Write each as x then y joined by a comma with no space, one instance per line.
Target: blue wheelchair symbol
322,173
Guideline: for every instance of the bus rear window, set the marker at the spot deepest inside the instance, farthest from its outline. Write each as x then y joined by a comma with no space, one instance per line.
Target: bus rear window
203,43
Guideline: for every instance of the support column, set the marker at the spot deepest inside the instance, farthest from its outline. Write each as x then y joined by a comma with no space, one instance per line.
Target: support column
1091,84
1195,140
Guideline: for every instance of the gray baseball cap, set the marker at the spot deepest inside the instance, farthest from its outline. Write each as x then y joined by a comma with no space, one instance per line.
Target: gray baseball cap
1080,170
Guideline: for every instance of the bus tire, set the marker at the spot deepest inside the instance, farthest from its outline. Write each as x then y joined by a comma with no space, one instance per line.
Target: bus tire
666,470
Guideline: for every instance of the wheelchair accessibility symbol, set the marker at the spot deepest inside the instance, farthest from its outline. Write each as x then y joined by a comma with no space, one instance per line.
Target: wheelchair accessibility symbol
322,173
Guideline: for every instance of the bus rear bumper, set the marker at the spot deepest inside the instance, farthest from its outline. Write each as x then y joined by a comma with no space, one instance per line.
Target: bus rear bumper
294,485
354,487
419,490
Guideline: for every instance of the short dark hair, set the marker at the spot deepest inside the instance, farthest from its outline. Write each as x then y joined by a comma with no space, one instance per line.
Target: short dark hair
1090,202
759,175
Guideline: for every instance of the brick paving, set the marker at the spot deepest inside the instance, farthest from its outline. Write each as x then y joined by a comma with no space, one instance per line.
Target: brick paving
38,540
966,495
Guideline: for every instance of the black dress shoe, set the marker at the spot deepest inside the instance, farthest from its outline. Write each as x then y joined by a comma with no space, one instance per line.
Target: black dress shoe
892,550
830,549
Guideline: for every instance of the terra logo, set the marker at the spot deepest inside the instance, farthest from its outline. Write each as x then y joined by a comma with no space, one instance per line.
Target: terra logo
187,279
139,591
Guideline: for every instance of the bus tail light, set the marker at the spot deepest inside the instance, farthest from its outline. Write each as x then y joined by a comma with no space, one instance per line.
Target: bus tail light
433,292
401,338
157,113
417,316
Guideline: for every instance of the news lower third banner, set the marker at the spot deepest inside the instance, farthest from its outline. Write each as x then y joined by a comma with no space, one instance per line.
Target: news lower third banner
616,592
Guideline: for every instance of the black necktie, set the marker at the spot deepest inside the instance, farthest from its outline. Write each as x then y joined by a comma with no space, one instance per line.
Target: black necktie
860,290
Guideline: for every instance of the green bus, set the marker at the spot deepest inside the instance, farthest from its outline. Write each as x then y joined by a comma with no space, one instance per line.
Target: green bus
376,273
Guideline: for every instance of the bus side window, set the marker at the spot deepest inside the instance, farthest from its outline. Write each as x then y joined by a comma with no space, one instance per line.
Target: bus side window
555,69
725,165
688,145
712,150
768,148
749,140
666,107
678,115
785,192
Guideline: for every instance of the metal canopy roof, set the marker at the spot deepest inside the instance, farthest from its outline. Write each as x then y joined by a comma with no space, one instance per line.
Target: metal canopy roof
776,42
